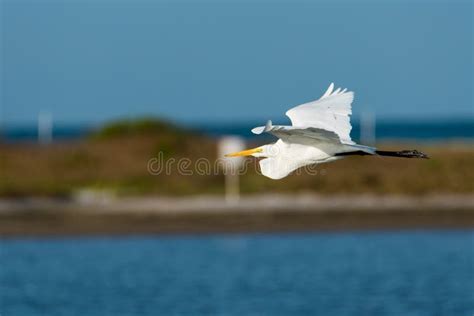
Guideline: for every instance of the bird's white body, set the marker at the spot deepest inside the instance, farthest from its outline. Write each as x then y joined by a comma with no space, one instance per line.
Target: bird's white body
284,157
320,130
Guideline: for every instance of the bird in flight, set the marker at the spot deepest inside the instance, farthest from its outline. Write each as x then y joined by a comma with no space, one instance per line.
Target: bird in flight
319,132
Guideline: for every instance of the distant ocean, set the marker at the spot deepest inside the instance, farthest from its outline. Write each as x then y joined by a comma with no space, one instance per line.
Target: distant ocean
385,130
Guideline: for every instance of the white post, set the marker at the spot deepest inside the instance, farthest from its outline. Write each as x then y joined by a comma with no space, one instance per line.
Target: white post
45,128
227,145
367,128
232,188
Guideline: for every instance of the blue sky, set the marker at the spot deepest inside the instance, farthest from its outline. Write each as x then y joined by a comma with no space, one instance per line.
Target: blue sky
209,61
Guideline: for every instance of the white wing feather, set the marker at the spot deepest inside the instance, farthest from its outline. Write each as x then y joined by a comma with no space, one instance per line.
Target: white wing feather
296,134
331,113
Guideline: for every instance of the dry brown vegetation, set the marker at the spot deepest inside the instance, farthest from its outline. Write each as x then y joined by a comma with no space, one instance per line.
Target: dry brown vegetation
119,163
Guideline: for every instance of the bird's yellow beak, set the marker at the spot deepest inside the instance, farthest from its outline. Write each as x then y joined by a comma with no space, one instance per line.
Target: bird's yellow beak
247,152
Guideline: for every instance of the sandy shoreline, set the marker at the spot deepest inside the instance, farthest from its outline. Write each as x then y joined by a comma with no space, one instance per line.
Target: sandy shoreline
107,215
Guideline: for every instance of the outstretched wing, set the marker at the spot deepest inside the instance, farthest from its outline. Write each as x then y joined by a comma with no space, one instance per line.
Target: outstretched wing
296,134
308,135
331,113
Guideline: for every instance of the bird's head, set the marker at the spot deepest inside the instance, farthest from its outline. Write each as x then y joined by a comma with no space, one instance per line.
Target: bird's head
259,152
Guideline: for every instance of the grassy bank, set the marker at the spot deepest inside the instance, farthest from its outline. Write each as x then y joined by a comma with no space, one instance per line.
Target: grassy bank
117,158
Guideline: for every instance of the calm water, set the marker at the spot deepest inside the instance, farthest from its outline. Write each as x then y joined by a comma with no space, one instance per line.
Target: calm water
392,273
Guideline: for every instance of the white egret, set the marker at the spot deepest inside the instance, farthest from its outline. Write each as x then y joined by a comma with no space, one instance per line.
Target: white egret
320,132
